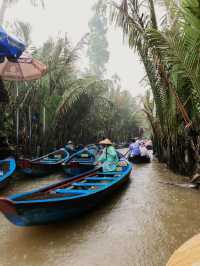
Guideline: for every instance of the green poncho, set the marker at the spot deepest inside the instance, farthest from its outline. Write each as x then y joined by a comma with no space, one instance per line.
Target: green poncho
109,159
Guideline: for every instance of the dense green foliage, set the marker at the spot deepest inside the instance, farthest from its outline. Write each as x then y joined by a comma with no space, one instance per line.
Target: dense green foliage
67,104
170,54
64,105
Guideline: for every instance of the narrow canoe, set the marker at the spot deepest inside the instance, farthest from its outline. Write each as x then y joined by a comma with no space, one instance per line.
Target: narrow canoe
65,199
44,165
7,168
80,162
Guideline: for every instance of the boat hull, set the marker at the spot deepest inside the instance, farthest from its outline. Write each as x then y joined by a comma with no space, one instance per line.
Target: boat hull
44,165
36,169
80,162
139,159
73,169
9,166
39,212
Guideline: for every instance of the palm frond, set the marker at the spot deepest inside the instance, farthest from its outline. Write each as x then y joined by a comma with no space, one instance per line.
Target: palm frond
23,30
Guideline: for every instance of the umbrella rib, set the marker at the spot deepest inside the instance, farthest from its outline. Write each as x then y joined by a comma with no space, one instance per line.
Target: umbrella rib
20,70
42,69
3,70
35,65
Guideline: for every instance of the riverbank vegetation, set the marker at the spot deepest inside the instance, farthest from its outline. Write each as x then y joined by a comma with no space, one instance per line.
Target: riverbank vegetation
169,52
68,103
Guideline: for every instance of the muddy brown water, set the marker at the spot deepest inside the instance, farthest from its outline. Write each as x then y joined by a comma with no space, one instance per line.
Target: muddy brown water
139,226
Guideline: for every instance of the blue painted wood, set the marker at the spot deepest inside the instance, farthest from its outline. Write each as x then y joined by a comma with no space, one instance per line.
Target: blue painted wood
62,200
87,184
72,191
100,178
109,173
44,165
7,168
78,163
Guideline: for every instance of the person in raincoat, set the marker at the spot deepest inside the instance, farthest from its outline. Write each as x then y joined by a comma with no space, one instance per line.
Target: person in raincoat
134,148
109,158
143,150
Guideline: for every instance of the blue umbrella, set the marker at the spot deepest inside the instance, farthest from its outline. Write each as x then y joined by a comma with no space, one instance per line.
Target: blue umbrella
10,46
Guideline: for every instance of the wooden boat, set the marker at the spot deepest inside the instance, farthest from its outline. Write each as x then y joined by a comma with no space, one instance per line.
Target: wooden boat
137,159
93,148
7,168
80,162
44,165
149,147
65,199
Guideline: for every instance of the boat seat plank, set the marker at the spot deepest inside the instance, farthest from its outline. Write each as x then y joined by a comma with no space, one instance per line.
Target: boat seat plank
71,191
88,184
48,161
82,161
108,173
101,178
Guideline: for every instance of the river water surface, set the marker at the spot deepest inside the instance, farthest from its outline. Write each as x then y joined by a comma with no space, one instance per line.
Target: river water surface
139,226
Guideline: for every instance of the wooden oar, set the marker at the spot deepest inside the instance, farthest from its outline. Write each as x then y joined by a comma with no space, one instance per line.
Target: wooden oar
125,153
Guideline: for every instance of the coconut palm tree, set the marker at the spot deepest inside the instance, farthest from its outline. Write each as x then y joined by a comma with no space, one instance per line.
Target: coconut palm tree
170,57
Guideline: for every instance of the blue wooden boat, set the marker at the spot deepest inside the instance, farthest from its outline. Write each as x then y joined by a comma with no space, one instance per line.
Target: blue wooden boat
80,162
7,168
44,165
93,148
65,199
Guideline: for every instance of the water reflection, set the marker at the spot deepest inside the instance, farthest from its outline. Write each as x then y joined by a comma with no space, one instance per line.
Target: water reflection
141,225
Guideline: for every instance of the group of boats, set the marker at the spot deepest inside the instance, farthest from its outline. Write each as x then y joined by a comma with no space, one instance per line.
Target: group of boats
84,185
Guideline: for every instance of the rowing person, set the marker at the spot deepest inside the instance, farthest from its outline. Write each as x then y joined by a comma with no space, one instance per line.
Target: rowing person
109,157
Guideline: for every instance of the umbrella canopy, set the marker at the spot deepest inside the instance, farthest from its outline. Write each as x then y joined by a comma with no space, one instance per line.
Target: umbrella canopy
4,98
23,68
9,45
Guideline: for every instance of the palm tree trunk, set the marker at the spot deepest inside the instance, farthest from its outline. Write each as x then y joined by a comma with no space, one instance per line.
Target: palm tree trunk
153,15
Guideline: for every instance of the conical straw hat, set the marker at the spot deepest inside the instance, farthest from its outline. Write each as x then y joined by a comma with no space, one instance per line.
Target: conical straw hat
105,142
188,254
